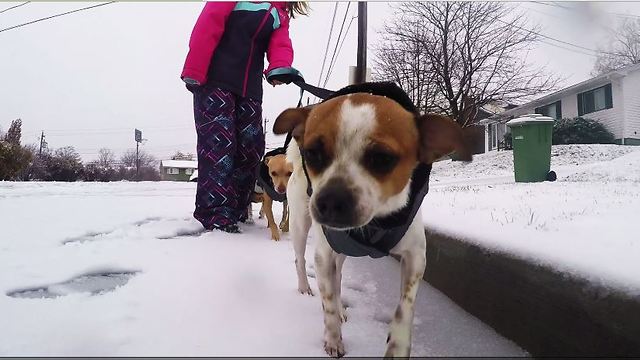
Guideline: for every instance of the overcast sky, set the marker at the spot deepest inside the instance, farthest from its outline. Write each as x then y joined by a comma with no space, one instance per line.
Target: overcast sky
88,79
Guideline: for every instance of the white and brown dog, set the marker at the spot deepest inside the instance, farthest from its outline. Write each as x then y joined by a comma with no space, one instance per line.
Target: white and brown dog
360,151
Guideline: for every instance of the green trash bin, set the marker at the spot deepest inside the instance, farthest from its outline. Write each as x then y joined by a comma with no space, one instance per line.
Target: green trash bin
531,138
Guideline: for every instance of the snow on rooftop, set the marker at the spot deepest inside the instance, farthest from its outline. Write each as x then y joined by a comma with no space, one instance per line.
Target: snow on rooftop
584,224
182,164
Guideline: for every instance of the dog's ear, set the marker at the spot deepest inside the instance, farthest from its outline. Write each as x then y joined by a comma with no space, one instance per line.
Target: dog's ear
292,120
440,136
266,160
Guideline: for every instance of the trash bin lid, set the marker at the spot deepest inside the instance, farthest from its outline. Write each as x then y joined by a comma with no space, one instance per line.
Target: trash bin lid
530,118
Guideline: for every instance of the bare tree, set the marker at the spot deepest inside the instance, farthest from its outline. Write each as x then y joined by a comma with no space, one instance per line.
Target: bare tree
179,155
106,158
129,159
404,62
622,49
462,55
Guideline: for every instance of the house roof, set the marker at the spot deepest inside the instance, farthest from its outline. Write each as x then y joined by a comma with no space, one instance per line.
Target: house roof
579,87
182,164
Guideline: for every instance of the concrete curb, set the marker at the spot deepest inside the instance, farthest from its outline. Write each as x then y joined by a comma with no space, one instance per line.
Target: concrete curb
546,312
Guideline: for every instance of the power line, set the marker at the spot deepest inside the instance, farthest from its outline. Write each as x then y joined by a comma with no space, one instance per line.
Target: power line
331,67
326,50
55,16
335,50
15,6
553,39
556,4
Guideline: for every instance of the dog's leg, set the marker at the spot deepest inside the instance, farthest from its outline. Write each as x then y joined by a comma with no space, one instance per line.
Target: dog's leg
412,266
298,201
267,204
250,215
284,224
299,233
326,261
261,212
338,288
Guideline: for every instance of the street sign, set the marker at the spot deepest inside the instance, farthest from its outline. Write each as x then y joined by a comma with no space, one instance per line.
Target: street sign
138,135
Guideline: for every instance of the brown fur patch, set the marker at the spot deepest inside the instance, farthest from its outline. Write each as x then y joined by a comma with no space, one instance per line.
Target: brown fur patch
280,171
398,314
396,130
322,127
291,120
439,136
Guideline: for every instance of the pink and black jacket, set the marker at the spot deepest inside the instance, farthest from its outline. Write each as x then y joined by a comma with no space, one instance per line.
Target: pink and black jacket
229,41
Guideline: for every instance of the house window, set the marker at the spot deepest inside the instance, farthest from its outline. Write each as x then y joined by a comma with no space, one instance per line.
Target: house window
173,171
595,100
188,171
553,110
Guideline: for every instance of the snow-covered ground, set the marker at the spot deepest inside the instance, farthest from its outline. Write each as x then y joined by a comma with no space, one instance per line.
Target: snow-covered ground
585,224
121,269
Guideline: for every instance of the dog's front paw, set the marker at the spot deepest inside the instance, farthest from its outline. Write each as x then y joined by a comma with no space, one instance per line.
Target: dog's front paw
334,348
275,235
305,290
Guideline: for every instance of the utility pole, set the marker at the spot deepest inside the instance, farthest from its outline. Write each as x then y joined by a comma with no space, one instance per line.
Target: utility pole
138,138
42,143
361,65
264,128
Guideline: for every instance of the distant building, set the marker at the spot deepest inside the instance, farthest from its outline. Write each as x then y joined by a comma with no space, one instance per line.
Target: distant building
177,170
613,99
479,135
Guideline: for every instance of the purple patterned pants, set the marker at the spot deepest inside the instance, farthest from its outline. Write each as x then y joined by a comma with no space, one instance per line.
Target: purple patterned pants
230,147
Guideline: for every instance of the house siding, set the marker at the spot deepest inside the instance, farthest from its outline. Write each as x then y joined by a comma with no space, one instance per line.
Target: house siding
631,86
181,176
612,119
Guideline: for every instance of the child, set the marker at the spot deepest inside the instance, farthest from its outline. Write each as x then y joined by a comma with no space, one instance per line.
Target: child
224,69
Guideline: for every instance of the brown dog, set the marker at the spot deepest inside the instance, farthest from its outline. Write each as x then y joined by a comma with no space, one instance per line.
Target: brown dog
280,171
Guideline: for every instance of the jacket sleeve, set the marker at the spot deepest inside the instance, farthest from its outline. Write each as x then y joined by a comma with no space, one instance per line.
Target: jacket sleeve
205,37
280,50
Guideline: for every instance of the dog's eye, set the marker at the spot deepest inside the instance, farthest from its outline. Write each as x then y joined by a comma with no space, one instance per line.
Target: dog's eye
289,173
273,173
380,161
315,157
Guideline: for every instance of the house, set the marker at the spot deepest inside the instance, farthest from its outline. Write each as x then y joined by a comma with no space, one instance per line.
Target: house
177,170
613,99
479,132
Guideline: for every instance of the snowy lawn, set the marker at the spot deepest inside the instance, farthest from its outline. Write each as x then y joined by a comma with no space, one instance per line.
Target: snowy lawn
121,269
584,224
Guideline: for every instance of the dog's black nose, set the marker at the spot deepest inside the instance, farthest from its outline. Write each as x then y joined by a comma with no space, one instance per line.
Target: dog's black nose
335,205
